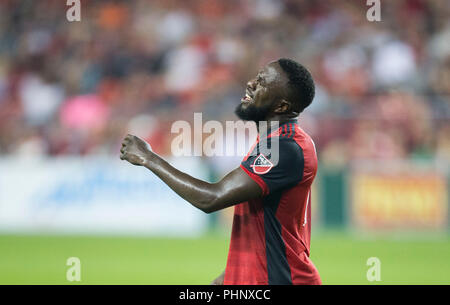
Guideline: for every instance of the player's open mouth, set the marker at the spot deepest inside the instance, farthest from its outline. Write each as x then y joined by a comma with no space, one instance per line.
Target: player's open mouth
247,98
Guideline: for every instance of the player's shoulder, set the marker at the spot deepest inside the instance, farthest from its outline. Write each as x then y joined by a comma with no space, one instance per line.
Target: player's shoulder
281,144
302,138
293,140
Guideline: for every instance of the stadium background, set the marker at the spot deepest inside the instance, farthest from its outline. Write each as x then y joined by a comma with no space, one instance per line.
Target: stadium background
70,91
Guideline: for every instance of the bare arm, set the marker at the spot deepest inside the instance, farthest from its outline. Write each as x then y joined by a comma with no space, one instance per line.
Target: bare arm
234,188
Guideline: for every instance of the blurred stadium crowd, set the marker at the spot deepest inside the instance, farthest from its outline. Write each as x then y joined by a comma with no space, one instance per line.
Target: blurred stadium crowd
76,88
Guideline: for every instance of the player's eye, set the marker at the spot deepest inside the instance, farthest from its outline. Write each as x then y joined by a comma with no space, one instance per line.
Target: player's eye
260,80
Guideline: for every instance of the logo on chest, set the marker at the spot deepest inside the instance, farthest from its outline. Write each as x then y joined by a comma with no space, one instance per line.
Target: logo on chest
261,165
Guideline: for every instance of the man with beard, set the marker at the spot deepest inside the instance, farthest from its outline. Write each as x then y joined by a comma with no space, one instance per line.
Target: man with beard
271,190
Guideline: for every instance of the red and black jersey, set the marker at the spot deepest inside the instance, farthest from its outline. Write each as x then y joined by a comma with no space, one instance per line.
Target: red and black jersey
270,239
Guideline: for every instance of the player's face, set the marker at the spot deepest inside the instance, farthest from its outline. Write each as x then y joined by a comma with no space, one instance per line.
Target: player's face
262,93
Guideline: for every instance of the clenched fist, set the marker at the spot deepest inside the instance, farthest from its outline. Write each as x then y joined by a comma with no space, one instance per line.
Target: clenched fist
135,150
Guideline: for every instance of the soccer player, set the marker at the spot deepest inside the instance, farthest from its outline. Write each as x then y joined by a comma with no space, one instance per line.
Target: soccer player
270,239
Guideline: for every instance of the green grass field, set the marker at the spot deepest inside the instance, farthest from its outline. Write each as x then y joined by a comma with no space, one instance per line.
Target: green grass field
340,258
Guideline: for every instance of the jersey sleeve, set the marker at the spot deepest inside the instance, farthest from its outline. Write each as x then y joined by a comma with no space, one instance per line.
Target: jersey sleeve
272,176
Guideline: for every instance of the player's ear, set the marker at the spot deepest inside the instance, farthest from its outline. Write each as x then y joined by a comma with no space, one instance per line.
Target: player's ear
282,106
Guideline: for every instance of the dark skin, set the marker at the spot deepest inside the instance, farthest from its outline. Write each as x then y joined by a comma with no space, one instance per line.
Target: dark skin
268,88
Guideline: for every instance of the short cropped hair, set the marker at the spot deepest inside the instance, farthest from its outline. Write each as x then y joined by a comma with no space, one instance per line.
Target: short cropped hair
301,84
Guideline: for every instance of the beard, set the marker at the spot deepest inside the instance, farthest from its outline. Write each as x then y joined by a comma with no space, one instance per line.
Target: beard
252,113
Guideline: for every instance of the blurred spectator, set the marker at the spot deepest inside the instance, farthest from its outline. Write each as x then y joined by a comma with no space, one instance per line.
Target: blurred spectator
77,88
40,100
